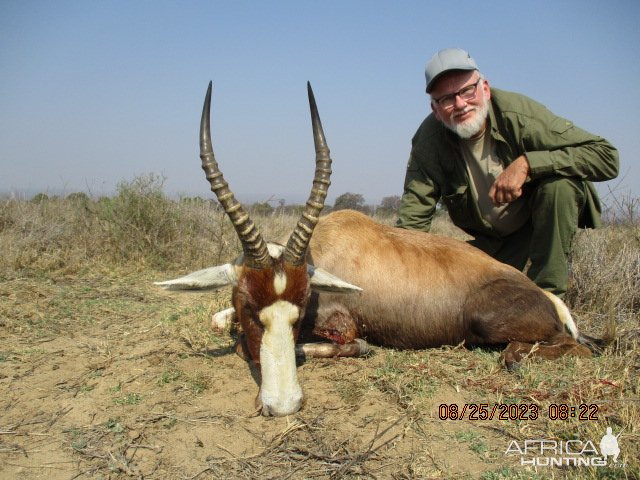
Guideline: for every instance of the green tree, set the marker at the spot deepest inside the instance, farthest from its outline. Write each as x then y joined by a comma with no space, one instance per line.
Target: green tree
263,209
40,197
353,201
388,206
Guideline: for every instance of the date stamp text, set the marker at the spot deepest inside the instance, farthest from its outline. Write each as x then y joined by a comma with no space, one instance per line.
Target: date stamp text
516,411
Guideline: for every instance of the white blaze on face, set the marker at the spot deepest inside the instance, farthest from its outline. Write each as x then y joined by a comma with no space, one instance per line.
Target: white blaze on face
280,392
280,283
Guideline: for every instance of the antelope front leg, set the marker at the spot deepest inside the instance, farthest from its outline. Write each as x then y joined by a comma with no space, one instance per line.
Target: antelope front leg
357,348
563,344
222,320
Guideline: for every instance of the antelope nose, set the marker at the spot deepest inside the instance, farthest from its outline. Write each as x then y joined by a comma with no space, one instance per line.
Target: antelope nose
282,409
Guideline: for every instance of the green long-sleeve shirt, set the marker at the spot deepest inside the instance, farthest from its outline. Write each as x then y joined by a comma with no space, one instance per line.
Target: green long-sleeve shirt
553,145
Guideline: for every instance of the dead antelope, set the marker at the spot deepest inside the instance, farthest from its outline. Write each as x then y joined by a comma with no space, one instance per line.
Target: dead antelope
423,290
271,283
414,289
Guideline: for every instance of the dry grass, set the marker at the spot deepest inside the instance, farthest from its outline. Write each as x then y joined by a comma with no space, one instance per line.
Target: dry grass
138,227
104,376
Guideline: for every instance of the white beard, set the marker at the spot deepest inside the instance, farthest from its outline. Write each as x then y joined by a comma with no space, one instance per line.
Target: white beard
473,126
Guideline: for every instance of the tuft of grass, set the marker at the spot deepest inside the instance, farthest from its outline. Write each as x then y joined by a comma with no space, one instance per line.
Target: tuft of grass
403,376
169,376
128,399
512,474
195,382
192,324
198,382
605,273
476,443
114,425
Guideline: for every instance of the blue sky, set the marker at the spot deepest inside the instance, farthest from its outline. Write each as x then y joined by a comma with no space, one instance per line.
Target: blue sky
93,93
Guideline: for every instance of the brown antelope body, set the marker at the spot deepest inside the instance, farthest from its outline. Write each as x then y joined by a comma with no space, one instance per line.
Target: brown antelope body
422,290
407,289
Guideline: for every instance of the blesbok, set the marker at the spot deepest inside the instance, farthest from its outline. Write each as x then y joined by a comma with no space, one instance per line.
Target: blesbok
407,289
271,283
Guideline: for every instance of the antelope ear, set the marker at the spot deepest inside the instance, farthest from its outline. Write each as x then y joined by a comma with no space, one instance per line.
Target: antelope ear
323,281
208,278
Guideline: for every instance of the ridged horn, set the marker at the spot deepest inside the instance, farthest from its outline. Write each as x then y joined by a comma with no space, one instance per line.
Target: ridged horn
254,247
299,240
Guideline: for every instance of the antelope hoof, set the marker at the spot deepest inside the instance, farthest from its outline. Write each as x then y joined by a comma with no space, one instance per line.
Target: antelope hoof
512,360
222,320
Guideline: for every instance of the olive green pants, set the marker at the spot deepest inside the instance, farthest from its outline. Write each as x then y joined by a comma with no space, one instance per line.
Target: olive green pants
556,206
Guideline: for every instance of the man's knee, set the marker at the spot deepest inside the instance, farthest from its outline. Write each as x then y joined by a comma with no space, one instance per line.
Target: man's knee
560,190
558,198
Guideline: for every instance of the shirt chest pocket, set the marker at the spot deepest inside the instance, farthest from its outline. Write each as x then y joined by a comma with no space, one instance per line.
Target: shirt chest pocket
461,207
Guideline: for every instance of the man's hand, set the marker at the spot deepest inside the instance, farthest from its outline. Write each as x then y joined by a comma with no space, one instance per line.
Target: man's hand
508,186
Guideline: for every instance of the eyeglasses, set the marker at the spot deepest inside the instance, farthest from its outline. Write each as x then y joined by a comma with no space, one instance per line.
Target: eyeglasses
466,93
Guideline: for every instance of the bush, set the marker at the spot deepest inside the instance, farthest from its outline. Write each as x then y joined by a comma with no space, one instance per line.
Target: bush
605,274
140,220
40,197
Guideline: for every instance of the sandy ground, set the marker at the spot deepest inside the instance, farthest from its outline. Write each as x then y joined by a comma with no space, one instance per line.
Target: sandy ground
101,378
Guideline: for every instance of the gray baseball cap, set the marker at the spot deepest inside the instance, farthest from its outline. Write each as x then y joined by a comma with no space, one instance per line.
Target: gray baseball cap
446,60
